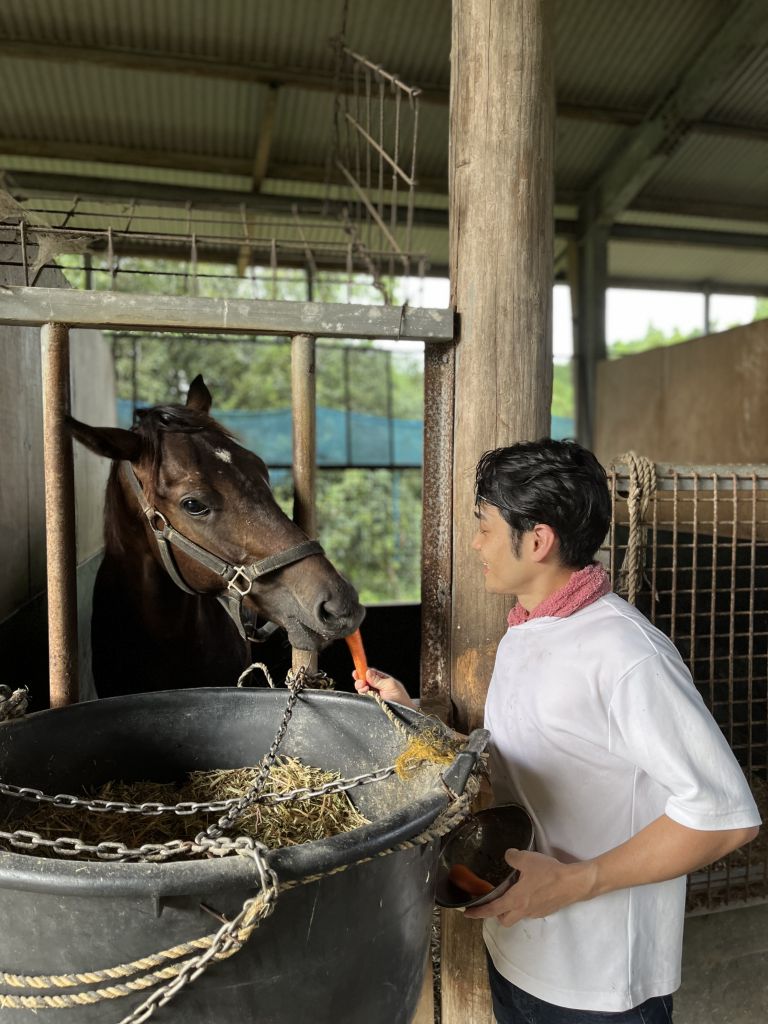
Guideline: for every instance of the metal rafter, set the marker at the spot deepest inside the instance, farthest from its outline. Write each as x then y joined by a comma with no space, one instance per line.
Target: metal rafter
740,38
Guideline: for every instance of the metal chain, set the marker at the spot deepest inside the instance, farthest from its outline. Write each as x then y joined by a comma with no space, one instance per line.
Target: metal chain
228,940
295,684
188,807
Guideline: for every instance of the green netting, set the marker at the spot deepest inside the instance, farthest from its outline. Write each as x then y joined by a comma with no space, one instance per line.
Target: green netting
343,438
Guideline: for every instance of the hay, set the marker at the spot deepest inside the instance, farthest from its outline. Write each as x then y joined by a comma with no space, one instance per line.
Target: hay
275,825
431,746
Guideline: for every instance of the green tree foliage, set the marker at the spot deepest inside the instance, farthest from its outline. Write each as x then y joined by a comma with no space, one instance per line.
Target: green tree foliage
562,390
654,337
761,309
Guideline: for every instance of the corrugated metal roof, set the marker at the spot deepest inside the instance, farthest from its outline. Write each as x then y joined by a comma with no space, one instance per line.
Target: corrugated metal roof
581,149
745,101
623,56
710,168
628,54
409,38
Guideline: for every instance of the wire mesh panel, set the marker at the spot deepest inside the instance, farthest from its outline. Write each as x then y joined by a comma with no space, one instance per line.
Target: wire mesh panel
700,559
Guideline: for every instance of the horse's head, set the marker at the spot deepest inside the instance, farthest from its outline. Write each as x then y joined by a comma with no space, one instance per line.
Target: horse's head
216,494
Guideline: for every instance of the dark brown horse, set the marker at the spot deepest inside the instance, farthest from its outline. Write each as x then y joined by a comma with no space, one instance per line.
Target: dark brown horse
197,551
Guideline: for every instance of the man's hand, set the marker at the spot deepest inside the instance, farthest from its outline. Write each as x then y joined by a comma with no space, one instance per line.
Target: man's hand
662,850
545,885
386,686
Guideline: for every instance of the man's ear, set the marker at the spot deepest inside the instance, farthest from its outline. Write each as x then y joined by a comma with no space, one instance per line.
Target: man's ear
198,396
545,541
110,442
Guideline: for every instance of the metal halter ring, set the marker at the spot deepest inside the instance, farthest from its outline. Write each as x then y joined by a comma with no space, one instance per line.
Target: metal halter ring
232,584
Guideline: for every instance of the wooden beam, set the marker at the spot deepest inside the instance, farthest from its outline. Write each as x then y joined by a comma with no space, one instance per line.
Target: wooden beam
739,40
96,153
715,287
266,132
313,79
27,184
121,310
501,64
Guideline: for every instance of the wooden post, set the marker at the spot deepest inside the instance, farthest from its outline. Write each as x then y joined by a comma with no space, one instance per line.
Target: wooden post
501,224
304,453
59,518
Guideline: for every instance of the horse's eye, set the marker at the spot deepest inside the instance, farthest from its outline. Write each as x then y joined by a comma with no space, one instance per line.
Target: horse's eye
194,507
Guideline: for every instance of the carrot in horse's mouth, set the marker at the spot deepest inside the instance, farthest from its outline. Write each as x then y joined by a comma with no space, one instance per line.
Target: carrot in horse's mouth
355,645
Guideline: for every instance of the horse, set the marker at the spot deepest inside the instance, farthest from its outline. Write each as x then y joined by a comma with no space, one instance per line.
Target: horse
197,553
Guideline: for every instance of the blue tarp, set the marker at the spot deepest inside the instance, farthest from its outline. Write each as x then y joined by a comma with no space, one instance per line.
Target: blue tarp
343,439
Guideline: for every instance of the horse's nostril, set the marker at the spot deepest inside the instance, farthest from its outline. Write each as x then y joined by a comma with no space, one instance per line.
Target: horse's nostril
331,608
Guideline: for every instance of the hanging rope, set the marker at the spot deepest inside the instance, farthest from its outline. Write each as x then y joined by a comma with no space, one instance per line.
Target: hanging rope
13,703
642,487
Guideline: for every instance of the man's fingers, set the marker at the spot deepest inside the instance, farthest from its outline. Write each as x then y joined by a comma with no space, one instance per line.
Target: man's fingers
515,858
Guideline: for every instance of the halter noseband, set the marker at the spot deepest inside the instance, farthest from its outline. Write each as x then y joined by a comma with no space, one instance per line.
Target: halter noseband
238,578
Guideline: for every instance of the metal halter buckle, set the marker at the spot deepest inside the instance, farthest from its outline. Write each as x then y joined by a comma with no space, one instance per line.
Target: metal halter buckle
233,583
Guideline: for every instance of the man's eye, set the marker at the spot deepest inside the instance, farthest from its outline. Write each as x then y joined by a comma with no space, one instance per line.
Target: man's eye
193,507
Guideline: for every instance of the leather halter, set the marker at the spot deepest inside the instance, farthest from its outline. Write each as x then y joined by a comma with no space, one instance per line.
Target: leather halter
239,579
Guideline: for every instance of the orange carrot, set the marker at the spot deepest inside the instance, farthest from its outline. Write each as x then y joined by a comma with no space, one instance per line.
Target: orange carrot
464,878
355,645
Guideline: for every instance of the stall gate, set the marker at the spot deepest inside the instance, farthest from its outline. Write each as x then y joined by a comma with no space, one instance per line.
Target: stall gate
689,546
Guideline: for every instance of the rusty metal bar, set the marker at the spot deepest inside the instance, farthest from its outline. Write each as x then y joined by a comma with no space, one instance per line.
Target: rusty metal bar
303,400
437,530
59,518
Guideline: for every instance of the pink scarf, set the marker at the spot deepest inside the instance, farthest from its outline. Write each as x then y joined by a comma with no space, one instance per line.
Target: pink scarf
585,586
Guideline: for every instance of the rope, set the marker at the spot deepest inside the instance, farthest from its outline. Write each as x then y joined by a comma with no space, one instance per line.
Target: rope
13,703
254,910
233,935
642,486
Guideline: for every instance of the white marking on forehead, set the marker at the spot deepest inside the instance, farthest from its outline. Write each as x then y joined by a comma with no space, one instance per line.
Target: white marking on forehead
223,454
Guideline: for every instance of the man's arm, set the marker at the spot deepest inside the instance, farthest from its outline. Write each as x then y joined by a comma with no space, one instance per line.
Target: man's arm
662,850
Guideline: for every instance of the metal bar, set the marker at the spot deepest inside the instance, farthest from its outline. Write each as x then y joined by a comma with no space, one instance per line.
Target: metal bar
687,476
393,79
59,471
369,206
121,310
303,402
382,152
437,530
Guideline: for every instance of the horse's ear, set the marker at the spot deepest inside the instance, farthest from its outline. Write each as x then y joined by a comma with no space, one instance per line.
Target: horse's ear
111,442
198,396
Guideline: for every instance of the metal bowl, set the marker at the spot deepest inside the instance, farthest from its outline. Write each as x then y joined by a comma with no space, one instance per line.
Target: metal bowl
480,844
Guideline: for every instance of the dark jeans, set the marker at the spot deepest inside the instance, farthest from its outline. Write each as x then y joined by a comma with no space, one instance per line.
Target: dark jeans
513,1006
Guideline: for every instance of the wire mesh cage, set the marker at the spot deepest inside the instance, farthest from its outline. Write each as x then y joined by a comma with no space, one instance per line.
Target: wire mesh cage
696,564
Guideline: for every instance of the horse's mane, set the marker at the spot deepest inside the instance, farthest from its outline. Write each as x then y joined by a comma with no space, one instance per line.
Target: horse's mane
150,424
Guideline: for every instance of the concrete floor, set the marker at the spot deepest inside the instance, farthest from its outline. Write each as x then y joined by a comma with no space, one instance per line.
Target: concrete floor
725,968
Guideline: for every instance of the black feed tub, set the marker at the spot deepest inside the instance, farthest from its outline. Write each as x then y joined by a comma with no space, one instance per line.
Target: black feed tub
347,948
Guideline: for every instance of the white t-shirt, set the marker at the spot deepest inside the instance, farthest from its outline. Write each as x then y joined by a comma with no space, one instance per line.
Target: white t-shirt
597,730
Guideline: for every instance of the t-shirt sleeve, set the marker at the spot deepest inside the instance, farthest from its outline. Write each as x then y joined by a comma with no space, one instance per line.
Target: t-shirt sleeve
659,722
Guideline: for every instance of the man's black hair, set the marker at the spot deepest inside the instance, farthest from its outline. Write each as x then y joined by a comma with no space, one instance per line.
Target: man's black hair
557,483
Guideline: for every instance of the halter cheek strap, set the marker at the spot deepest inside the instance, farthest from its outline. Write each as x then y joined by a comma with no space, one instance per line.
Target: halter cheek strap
239,579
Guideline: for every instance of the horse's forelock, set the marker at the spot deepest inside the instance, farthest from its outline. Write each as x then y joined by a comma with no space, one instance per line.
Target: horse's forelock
151,424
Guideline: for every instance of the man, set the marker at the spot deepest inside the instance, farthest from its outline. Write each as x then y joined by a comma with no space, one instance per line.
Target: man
598,731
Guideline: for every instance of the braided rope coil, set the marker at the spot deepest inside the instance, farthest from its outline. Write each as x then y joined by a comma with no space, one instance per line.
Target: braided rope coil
642,487
13,703
129,978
